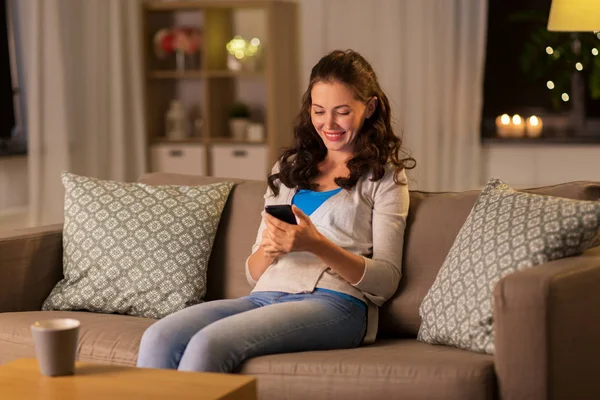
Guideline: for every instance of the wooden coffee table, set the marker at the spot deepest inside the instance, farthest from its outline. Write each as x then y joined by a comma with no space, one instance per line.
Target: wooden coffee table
21,379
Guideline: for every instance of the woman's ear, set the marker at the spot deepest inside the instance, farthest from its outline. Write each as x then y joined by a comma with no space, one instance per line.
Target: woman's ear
371,106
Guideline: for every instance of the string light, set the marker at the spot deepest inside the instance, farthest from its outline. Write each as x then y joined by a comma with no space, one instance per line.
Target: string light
595,51
579,66
564,97
241,48
550,85
549,50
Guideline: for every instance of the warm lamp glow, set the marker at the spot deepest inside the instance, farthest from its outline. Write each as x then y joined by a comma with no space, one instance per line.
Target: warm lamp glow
574,16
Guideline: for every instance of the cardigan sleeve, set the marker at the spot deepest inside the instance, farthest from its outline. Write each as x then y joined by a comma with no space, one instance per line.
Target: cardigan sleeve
268,194
384,269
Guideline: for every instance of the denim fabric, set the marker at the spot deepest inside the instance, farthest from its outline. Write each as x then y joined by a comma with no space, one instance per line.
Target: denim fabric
356,301
217,336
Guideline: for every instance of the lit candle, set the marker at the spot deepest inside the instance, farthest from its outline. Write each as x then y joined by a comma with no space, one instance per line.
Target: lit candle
518,128
534,126
503,125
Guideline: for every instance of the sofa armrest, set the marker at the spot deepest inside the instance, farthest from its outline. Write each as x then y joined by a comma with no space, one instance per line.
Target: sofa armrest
547,330
30,266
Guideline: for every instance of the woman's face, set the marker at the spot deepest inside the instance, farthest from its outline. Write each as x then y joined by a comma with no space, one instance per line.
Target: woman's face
337,115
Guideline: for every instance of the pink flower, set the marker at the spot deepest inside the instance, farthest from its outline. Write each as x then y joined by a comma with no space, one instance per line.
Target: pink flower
185,39
163,43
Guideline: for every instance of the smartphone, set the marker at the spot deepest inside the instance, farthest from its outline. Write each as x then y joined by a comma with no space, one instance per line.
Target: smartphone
282,212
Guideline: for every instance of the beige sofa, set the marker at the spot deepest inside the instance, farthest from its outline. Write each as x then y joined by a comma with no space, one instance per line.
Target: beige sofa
547,318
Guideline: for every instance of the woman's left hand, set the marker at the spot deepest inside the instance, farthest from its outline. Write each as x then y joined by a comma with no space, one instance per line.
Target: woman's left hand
287,238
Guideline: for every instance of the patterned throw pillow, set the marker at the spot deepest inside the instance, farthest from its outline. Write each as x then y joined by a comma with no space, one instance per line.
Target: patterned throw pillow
135,249
506,231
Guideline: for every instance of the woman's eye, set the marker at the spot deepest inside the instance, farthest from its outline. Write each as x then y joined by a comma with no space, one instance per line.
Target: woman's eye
318,112
344,113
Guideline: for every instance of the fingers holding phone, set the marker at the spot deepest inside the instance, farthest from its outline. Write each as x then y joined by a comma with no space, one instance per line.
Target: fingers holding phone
269,247
287,237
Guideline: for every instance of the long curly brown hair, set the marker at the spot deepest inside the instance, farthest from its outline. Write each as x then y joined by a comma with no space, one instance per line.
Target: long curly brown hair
376,144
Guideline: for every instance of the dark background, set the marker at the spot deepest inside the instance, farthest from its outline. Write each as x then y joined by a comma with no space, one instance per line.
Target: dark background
506,88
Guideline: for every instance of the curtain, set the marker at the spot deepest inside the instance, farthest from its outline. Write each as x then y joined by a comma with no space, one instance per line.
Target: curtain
85,96
429,57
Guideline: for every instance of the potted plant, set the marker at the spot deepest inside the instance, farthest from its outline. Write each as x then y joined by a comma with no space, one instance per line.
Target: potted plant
239,118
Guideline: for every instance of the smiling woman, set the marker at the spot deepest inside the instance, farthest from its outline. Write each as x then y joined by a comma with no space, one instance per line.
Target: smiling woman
317,283
340,117
343,98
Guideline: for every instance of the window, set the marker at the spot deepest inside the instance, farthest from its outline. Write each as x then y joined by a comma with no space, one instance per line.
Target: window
507,88
7,116
12,132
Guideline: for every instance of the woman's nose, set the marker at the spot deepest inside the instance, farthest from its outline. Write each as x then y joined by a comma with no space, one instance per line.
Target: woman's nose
330,122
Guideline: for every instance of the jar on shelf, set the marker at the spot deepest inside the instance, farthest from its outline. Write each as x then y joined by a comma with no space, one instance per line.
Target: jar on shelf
176,121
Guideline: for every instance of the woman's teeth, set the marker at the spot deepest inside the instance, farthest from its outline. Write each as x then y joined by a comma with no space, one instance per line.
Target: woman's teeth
334,136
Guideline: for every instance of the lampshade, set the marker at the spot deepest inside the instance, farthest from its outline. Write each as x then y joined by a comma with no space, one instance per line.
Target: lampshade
574,15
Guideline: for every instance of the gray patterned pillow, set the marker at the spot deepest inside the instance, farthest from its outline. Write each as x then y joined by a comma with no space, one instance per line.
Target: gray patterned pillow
506,231
135,249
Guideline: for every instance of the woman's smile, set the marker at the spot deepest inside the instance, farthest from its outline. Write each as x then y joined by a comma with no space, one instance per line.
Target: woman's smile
334,136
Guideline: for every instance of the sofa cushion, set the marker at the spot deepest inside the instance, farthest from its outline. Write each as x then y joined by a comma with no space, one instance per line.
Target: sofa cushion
380,371
506,231
135,249
389,369
103,338
434,220
236,234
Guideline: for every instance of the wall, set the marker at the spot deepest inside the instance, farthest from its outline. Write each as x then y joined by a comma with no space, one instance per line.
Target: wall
538,164
313,38
13,191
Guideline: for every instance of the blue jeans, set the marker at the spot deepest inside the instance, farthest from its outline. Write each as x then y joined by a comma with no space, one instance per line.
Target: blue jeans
217,336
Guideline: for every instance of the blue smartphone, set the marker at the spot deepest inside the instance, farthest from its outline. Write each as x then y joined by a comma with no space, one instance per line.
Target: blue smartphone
282,212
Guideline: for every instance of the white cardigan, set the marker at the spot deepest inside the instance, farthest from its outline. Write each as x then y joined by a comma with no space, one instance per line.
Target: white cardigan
368,220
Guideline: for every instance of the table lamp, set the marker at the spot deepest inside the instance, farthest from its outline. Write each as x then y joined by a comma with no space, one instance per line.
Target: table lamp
574,16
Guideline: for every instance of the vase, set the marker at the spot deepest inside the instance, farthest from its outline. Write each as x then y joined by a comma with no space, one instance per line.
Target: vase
185,61
238,128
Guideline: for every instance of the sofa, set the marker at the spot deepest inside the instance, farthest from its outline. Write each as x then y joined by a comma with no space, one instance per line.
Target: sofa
547,318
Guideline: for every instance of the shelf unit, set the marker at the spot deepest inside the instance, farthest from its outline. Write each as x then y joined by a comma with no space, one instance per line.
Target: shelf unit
213,88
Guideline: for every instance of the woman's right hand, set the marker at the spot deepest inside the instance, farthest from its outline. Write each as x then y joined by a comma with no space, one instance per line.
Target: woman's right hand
269,247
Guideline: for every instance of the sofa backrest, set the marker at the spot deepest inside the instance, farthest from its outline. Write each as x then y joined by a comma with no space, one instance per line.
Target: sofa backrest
433,222
236,233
